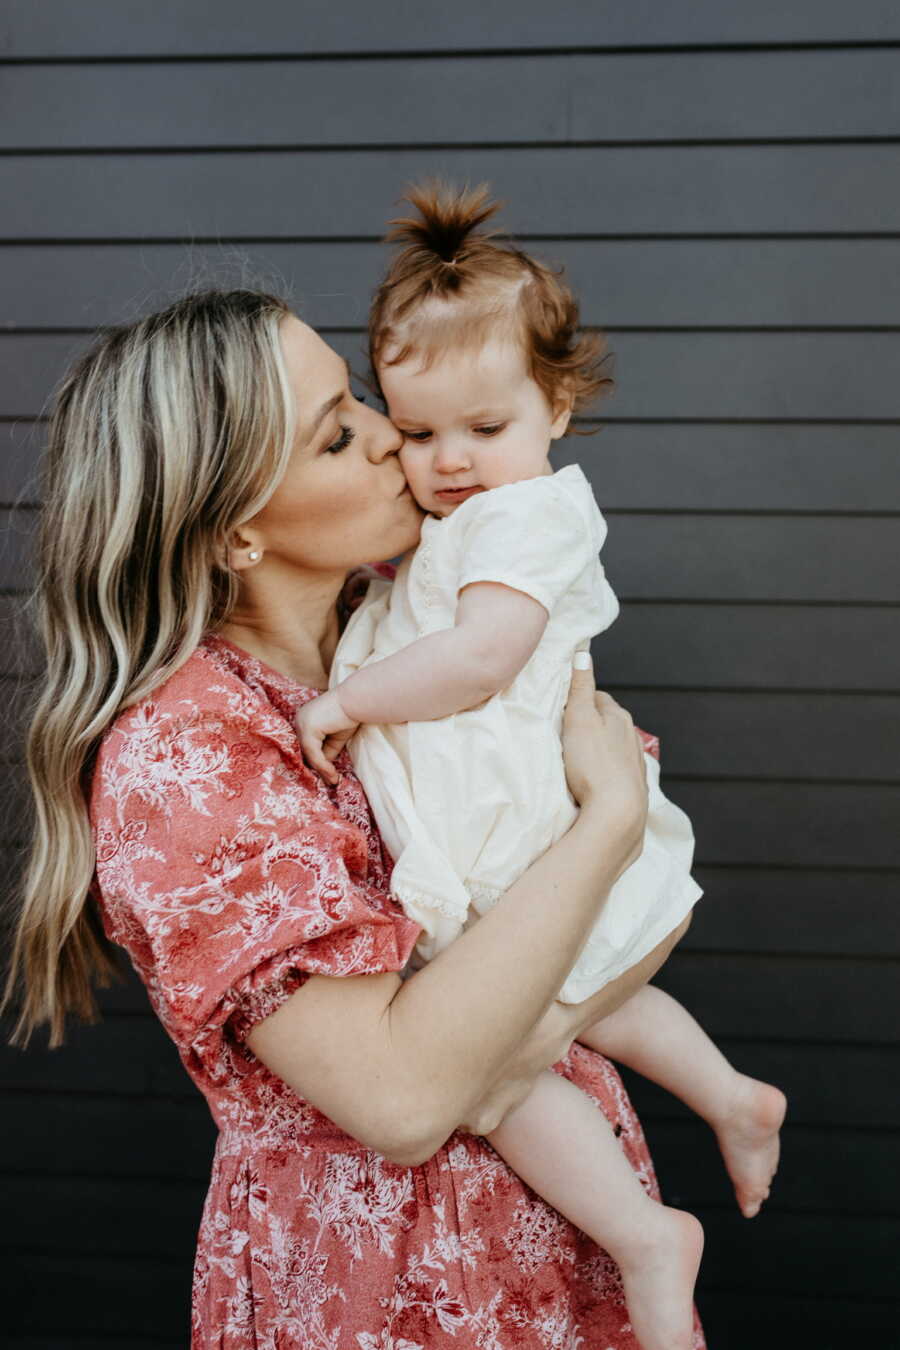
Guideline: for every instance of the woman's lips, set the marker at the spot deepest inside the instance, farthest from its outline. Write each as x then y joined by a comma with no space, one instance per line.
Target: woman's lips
457,494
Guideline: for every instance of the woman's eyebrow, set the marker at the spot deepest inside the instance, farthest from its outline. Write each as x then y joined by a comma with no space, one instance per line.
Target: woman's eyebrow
327,407
323,413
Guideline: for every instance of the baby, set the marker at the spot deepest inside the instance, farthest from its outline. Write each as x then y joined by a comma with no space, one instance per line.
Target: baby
456,676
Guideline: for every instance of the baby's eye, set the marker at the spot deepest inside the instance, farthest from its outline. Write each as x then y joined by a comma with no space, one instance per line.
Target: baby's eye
417,435
491,430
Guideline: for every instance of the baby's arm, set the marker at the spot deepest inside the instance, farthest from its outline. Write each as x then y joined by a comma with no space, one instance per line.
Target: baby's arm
495,632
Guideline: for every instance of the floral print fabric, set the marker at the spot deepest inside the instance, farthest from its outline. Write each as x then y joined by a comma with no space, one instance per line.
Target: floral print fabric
230,872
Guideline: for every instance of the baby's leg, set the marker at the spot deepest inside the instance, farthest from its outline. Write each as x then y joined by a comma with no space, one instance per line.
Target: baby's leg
656,1037
564,1147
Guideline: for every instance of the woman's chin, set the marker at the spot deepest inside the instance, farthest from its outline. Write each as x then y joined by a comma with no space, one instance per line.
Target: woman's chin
407,536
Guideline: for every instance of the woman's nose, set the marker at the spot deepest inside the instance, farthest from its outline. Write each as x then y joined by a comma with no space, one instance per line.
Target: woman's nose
385,439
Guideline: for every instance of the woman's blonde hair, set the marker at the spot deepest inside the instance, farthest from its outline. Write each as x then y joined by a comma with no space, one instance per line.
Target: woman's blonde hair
453,285
166,435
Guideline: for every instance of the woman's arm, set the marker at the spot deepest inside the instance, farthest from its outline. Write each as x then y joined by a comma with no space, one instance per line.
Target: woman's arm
496,631
401,1065
550,1039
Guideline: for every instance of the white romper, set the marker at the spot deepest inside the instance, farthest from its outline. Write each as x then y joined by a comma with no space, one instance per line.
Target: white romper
467,802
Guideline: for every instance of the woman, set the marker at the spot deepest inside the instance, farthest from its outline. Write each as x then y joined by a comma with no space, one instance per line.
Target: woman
211,482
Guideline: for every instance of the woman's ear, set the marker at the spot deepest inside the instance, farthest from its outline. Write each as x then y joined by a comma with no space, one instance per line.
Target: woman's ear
243,550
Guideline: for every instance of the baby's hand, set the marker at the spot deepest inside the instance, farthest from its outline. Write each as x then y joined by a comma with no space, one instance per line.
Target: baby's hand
324,729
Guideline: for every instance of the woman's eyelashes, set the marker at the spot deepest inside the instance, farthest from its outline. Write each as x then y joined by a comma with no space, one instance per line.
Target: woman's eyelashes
346,436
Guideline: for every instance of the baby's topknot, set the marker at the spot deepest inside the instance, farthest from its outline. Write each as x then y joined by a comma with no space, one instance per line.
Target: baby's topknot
447,221
452,284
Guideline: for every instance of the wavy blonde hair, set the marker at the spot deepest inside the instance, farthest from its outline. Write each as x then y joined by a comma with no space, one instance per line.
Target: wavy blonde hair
166,435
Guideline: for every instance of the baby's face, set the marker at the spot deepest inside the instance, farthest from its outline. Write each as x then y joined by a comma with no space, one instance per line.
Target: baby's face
473,420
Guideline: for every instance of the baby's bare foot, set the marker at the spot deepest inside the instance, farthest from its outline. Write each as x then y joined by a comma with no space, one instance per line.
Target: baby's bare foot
748,1139
659,1275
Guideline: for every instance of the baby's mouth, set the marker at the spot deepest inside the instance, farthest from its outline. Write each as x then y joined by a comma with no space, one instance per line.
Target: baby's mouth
457,494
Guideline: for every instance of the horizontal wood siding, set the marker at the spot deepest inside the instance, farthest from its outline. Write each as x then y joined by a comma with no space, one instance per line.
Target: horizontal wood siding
227,27
638,190
722,185
660,283
704,96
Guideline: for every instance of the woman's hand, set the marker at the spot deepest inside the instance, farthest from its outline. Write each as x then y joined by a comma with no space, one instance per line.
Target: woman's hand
547,1042
604,758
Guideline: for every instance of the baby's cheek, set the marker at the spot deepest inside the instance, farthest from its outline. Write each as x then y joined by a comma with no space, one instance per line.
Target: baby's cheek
516,462
411,465
405,458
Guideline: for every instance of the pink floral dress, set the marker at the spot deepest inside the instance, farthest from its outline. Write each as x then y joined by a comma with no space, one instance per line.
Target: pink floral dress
230,872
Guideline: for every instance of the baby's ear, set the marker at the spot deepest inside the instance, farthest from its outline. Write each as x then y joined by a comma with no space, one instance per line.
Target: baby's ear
563,404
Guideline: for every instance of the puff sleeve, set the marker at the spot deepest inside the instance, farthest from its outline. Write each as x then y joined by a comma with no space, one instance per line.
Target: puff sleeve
530,535
227,870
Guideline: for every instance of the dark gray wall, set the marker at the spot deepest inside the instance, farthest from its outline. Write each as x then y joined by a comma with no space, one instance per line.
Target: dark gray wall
723,184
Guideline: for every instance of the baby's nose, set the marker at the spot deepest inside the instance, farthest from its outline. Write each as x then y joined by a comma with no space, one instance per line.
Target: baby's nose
449,457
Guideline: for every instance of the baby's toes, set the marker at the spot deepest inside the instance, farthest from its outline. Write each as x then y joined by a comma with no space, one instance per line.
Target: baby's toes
751,1205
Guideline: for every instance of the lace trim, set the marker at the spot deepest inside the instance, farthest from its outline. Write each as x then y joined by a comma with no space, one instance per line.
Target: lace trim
480,891
425,901
430,588
477,891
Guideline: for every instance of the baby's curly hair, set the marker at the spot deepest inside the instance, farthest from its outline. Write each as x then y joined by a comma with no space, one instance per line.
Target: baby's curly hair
453,284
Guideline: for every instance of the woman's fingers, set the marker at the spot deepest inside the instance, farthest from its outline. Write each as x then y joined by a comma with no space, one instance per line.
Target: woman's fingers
601,751
582,686
608,707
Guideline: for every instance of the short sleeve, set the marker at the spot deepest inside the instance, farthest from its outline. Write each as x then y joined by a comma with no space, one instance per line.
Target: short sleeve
530,535
227,870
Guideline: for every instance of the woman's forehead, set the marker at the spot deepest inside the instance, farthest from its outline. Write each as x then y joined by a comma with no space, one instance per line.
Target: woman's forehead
316,373
304,350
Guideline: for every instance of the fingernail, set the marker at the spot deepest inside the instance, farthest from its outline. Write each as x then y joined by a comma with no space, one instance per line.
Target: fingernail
582,661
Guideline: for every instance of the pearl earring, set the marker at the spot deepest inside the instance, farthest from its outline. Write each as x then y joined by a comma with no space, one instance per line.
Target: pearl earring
254,555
